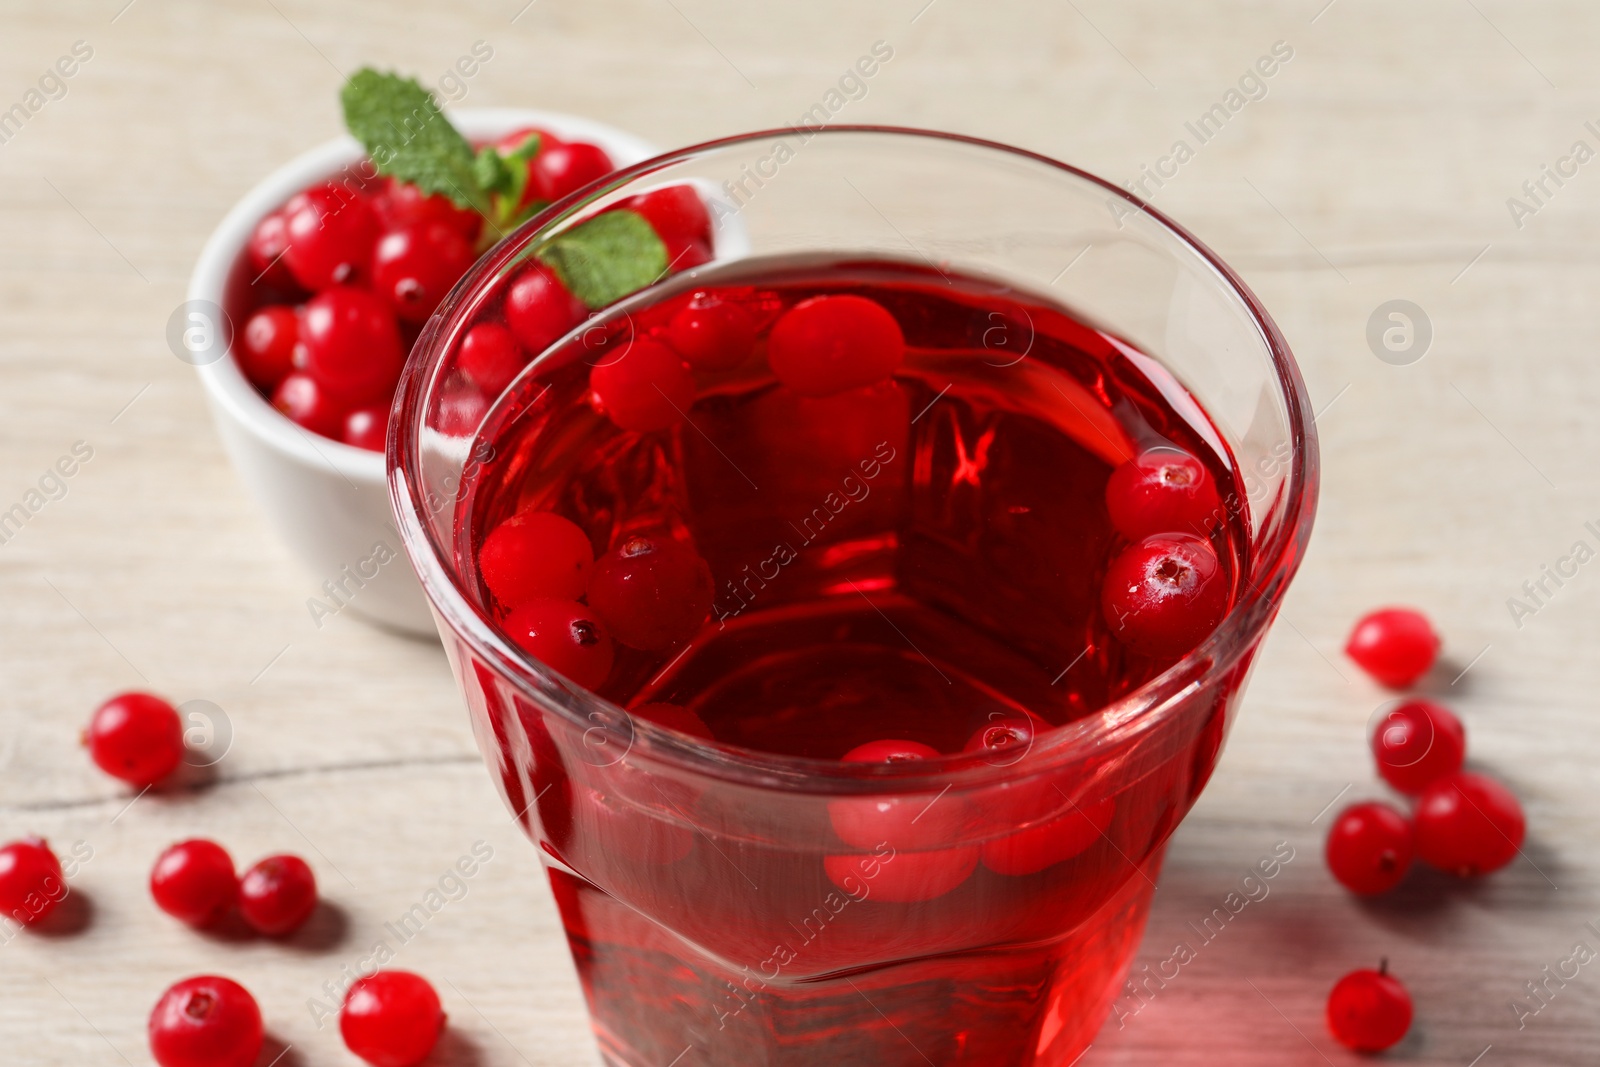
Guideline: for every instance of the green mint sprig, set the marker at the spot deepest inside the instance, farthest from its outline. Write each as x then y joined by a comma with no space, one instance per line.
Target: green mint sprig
407,137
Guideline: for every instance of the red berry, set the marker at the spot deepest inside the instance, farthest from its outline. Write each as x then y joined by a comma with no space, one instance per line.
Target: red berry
651,592
674,717
1162,490
1037,847
194,881
490,357
1468,824
535,555
367,427
680,219
265,252
539,309
351,344
1164,595
206,1022
828,344
391,1019
1418,743
31,882
1370,848
905,877
645,387
564,167
302,399
403,204
266,347
278,895
1368,1011
676,213
712,334
565,636
330,231
136,737
414,266
1394,645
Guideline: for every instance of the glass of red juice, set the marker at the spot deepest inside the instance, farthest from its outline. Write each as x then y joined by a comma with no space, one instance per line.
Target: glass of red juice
851,614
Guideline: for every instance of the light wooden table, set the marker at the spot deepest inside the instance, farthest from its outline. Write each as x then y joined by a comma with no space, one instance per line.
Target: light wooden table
1377,166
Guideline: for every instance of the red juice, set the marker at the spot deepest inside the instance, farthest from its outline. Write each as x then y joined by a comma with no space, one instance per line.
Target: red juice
920,558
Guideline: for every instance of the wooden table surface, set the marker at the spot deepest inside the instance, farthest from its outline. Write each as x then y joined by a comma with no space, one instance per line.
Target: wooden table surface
1375,164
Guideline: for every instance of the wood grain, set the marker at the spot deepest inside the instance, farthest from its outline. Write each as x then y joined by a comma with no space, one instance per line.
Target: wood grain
1376,166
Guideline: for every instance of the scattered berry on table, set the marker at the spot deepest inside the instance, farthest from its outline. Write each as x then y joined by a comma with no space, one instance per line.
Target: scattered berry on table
277,895
31,881
1369,1011
1468,824
1417,743
1394,645
1370,847
136,737
391,1018
206,1021
194,881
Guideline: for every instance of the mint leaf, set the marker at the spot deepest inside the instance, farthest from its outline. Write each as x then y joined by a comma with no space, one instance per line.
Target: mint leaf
492,173
606,258
401,126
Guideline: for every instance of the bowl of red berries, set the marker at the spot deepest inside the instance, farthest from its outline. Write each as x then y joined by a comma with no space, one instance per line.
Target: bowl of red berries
320,278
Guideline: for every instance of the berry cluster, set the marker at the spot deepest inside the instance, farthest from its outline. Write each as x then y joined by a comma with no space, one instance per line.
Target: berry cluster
389,1018
1462,823
345,274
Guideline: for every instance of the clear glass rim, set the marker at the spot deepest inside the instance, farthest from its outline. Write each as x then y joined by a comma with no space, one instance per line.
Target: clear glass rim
1274,560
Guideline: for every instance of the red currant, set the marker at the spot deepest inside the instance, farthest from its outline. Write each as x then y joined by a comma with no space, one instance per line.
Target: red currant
828,344
563,167
391,1018
414,266
674,717
403,204
31,881
300,398
136,737
206,1022
1162,490
278,895
367,427
712,334
906,877
679,217
351,344
490,357
651,591
1037,847
645,387
1164,595
565,636
1369,1011
266,347
1005,741
330,231
539,309
534,555
1394,645
265,252
1468,824
194,881
1418,743
1370,848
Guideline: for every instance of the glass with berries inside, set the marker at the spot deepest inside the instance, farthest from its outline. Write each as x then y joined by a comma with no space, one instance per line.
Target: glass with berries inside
850,616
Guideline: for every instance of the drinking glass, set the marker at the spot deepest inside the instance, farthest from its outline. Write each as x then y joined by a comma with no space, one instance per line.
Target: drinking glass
712,912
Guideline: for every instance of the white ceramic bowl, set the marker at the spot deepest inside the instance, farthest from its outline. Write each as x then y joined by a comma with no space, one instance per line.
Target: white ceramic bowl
328,500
